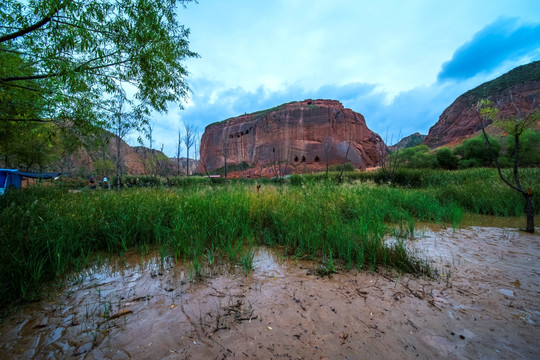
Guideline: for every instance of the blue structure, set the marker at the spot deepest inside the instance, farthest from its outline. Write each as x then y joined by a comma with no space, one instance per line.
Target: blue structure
12,178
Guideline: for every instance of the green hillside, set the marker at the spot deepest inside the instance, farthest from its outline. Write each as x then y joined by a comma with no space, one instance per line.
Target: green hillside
521,74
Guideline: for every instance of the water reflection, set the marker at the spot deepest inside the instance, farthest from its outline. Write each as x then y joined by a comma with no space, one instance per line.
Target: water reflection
148,304
268,263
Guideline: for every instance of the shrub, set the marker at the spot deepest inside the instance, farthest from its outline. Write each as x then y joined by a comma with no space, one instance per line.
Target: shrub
475,152
337,167
446,159
529,149
416,157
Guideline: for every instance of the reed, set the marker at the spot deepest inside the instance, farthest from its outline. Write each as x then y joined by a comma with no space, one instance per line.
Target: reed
47,232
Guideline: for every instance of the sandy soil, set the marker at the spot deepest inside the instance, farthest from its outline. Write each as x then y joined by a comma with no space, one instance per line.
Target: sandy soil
485,304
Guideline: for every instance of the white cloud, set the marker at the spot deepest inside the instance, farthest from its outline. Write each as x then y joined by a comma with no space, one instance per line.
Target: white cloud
379,58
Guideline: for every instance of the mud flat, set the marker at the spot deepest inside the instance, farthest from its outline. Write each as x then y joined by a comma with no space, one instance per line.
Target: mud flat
484,304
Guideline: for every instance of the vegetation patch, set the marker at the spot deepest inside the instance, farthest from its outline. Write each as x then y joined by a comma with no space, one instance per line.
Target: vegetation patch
46,232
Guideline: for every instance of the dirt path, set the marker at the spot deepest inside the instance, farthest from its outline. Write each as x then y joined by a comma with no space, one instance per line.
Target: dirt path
484,305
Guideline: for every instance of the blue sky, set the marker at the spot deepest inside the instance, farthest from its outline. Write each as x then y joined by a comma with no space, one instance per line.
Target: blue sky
398,63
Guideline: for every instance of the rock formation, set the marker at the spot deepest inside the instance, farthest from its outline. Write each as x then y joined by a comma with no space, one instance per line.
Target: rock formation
461,119
135,160
408,141
293,133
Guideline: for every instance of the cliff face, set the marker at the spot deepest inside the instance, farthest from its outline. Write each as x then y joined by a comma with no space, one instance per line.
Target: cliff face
295,133
461,119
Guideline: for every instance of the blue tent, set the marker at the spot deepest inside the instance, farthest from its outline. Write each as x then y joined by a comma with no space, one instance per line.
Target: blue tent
12,178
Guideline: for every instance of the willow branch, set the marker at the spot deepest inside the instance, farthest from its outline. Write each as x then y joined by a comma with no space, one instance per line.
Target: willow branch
33,27
78,69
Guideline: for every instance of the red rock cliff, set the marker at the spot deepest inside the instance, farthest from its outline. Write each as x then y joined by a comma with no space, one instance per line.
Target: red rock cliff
293,133
461,119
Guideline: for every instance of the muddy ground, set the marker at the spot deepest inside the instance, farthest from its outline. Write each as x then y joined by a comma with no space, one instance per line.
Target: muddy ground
484,304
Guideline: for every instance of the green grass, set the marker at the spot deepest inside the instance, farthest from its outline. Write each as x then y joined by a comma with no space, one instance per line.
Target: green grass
47,232
521,74
477,190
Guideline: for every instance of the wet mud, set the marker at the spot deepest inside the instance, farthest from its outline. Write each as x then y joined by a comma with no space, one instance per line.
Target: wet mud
484,304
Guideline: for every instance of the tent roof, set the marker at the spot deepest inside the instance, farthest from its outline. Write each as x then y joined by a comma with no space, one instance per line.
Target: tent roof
31,174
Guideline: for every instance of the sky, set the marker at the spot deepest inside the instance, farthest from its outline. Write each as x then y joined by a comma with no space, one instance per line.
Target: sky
398,63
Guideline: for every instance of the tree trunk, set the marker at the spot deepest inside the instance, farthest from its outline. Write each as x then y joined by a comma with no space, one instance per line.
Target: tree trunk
118,162
187,159
529,211
327,166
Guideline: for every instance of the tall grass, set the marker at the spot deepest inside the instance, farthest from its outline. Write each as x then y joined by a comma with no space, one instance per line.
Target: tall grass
46,232
476,190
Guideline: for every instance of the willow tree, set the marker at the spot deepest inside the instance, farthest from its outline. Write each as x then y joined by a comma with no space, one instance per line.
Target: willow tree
77,56
513,125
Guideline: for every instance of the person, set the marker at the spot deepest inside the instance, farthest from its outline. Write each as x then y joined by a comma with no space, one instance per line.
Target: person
105,182
92,182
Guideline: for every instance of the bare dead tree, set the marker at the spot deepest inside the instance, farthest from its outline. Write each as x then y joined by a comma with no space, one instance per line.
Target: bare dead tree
279,167
178,152
203,163
197,145
121,126
390,163
189,139
515,126
152,163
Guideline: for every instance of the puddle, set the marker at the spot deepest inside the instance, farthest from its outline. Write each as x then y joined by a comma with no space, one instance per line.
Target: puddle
268,263
507,292
147,307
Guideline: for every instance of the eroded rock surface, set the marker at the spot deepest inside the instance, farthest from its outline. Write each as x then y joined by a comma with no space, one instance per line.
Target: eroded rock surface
294,133
517,88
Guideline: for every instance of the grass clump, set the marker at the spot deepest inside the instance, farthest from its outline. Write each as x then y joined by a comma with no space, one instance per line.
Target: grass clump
477,190
47,232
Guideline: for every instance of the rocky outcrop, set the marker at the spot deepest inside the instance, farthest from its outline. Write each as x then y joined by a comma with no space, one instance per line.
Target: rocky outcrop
517,88
408,141
295,133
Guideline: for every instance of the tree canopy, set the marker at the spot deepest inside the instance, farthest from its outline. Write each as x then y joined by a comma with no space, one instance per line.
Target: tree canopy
516,126
69,61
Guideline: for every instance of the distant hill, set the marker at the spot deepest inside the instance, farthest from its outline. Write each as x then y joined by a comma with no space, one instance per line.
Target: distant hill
98,158
461,120
408,141
135,160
